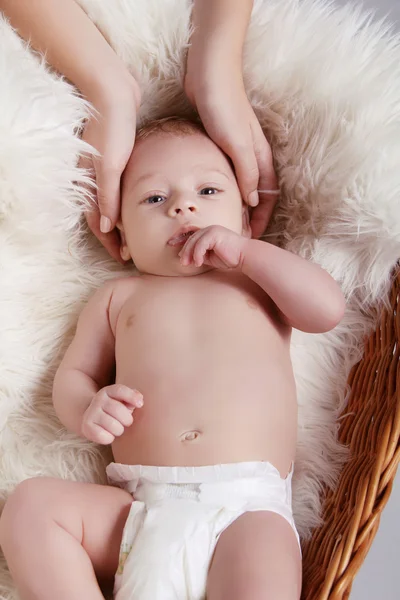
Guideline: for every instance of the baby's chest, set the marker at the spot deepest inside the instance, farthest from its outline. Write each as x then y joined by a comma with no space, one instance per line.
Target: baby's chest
183,312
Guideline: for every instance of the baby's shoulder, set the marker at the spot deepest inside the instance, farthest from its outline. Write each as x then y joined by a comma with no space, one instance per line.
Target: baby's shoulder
118,286
121,289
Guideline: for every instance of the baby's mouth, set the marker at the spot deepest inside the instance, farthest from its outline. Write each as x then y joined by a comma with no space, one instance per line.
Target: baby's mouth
181,238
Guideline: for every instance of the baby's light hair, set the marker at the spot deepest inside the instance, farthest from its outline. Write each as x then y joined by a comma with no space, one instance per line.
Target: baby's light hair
175,125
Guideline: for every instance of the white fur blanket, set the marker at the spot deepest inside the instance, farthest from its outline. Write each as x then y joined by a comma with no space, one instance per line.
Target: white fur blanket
325,83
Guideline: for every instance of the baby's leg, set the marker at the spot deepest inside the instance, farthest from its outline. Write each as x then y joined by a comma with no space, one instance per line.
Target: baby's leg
58,535
256,558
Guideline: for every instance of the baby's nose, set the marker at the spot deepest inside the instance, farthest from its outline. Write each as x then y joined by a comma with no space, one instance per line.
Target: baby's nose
189,208
182,206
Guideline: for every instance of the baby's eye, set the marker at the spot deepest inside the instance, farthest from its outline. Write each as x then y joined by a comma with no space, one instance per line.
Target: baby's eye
154,199
208,191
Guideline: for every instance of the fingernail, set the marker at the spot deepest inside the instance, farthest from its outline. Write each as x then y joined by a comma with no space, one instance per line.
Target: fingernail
105,224
253,198
139,401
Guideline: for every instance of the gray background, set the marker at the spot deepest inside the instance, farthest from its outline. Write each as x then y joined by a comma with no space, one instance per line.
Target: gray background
379,577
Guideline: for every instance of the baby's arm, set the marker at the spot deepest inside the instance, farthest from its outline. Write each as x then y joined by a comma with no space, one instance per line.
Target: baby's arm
306,295
87,365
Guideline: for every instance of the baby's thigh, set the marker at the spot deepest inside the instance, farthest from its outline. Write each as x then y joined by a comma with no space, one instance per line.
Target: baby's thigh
257,558
93,514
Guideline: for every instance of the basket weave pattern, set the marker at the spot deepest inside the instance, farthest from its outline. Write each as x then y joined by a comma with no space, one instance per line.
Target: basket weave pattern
370,428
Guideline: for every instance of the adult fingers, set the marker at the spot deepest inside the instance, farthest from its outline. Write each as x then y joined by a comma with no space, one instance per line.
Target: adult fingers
262,214
267,177
111,241
267,186
246,168
108,179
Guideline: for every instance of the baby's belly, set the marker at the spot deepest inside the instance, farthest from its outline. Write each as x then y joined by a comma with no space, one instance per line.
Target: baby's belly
233,414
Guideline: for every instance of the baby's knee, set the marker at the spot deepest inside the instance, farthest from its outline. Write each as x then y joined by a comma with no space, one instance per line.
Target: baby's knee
24,505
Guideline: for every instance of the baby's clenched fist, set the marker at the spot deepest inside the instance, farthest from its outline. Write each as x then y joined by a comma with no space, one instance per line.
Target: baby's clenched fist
110,412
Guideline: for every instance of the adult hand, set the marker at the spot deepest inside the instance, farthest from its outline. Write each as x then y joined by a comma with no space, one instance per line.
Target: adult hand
111,131
230,121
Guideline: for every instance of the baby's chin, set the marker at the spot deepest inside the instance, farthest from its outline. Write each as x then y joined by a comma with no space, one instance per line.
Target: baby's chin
190,271
176,270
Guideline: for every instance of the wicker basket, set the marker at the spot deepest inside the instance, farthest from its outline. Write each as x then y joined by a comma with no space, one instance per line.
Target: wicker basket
352,513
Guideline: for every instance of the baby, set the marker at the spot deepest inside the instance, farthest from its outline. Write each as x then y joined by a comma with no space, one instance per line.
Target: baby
202,418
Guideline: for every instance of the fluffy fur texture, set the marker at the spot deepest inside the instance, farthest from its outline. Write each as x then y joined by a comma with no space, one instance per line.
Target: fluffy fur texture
325,83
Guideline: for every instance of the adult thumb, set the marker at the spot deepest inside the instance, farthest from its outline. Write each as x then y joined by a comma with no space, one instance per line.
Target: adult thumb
108,180
247,172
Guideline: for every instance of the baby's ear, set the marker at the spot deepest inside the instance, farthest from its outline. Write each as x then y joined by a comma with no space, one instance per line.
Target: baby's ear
124,250
246,221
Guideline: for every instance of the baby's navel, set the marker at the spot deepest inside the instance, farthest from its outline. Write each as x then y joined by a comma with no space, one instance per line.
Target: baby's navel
129,321
190,436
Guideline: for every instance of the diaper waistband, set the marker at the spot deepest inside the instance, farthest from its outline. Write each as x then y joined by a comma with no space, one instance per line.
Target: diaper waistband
120,473
184,482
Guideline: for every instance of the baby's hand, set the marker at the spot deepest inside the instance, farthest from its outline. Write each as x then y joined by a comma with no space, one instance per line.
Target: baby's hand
216,246
110,412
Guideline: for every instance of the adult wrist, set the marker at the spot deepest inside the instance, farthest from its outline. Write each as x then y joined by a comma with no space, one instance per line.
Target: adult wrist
113,85
206,75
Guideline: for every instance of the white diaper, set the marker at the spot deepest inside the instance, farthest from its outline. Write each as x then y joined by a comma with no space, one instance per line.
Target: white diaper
177,517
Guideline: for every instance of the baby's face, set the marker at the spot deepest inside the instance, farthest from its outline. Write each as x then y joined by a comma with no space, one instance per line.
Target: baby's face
175,184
